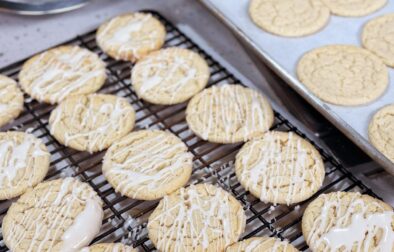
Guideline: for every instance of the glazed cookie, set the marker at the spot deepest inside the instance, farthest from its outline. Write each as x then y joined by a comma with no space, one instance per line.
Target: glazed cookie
378,37
170,76
108,247
60,72
229,114
59,215
381,130
261,244
291,18
131,36
91,122
360,76
348,221
280,167
354,8
24,162
11,100
198,218
147,164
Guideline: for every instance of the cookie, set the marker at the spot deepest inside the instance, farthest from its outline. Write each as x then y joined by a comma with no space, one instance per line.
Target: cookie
201,217
343,74
61,72
91,122
170,76
378,37
280,168
108,247
24,162
354,8
229,114
381,130
59,215
11,100
348,221
131,36
290,18
261,244
147,164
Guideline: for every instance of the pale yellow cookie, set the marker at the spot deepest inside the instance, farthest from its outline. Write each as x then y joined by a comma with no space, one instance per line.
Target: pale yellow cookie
343,74
170,76
147,164
11,100
280,167
354,8
131,36
59,215
229,114
261,244
108,247
91,122
378,37
61,72
198,218
381,131
348,221
24,162
290,18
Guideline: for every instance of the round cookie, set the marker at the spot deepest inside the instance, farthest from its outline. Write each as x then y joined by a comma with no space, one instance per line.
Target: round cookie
229,114
348,221
131,36
261,244
170,76
290,18
201,217
378,37
61,72
381,130
280,167
91,122
108,247
147,164
354,8
24,162
59,215
11,100
343,74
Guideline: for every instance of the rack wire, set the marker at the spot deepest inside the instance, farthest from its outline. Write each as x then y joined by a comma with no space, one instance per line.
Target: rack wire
125,219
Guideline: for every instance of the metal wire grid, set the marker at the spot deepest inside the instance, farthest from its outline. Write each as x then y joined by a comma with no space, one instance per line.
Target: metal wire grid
125,219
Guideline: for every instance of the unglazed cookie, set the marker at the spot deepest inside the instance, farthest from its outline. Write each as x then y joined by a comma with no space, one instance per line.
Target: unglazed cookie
291,18
91,122
280,167
147,164
61,72
108,247
24,162
348,221
131,36
229,114
343,74
378,37
11,100
59,215
198,218
170,76
261,244
381,131
354,8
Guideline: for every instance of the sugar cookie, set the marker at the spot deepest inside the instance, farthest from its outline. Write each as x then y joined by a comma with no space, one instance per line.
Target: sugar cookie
354,8
108,247
261,244
11,100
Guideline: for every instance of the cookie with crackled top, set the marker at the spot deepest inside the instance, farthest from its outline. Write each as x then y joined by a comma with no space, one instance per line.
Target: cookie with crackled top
11,100
261,244
354,8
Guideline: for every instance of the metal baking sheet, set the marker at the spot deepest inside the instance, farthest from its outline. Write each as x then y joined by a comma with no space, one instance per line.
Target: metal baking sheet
282,54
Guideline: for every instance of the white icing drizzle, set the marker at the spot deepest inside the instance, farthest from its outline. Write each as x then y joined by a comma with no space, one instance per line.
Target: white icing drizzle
355,228
6,87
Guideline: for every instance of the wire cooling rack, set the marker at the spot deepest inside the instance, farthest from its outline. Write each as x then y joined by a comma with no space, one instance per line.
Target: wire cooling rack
125,219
